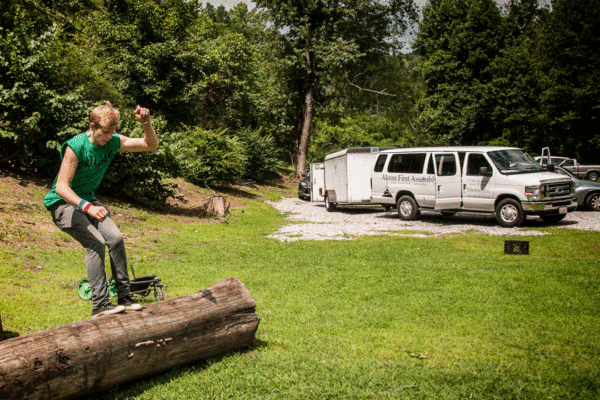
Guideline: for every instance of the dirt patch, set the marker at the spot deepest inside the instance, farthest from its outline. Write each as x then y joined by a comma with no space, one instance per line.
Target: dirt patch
25,223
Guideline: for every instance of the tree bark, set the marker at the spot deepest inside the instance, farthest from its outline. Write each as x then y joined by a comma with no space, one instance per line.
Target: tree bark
86,357
309,110
218,205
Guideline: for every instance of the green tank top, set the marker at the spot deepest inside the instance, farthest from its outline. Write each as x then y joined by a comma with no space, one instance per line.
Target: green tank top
92,163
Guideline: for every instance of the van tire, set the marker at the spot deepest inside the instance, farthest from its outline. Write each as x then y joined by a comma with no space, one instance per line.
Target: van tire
509,213
408,209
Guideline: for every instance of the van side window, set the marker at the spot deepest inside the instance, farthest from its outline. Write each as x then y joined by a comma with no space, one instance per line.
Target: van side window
380,162
412,163
475,162
446,164
430,168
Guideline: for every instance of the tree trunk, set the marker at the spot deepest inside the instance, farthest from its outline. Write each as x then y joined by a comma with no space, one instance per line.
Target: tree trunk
218,205
89,356
309,109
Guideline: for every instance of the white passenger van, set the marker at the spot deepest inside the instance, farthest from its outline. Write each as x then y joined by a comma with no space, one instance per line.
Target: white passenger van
504,181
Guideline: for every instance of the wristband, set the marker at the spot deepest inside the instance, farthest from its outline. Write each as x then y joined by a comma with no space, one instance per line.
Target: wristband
84,205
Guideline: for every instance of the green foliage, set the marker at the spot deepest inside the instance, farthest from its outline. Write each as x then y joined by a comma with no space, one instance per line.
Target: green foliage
572,99
518,74
209,157
323,40
528,77
360,131
141,177
458,39
34,108
262,154
179,62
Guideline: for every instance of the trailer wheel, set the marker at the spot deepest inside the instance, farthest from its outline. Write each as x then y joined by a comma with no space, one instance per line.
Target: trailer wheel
329,206
407,208
509,213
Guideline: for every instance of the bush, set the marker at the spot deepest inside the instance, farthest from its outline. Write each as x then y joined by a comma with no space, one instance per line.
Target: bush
140,176
34,109
261,153
209,157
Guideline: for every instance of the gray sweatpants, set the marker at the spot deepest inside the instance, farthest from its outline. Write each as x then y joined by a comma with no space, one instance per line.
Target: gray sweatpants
94,236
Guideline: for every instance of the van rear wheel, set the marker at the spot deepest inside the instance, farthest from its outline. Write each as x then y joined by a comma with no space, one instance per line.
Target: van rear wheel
509,213
407,208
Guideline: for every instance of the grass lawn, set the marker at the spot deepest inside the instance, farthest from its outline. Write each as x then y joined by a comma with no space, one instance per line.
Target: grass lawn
374,318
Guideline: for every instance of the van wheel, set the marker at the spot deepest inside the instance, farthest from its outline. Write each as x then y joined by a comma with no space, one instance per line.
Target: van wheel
509,213
329,206
407,208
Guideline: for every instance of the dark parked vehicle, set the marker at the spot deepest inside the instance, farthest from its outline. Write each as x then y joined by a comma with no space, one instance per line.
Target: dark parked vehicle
304,188
591,172
587,192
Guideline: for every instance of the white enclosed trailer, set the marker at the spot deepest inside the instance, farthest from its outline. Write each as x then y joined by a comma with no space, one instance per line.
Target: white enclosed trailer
317,182
348,176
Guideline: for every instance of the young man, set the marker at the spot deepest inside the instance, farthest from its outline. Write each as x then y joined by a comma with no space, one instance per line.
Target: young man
75,210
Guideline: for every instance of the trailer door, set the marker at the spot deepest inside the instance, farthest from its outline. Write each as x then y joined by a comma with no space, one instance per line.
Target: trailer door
448,191
317,182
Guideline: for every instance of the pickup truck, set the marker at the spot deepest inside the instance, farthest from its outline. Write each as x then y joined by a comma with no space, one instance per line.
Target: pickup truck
590,172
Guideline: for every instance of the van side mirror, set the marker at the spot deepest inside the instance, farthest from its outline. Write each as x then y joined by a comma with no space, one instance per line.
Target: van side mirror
485,171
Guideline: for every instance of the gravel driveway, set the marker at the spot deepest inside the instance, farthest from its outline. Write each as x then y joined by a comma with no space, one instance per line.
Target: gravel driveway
313,222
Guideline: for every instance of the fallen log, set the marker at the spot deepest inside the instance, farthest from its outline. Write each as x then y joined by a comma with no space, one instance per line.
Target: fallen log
90,356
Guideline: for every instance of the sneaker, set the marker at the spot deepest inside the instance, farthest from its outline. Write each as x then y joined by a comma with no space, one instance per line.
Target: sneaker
107,309
129,304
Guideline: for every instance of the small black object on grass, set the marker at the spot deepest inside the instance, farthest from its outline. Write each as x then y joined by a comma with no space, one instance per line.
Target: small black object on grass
516,247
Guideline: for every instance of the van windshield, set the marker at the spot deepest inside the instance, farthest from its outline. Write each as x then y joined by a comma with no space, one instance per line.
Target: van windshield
514,161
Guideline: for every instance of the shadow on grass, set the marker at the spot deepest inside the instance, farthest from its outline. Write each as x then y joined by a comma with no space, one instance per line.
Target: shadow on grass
140,386
8,334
